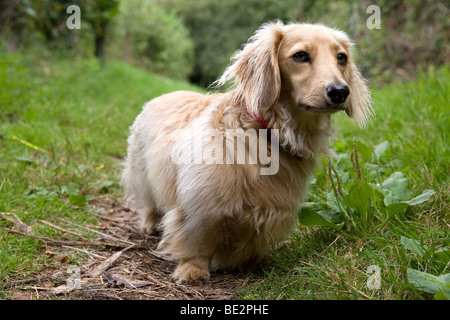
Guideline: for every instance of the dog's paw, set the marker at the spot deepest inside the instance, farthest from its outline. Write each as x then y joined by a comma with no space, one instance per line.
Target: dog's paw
190,272
148,224
148,227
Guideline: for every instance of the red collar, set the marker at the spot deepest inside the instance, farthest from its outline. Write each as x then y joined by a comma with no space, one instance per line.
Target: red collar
262,122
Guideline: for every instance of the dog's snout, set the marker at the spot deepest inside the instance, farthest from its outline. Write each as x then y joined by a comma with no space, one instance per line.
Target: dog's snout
338,93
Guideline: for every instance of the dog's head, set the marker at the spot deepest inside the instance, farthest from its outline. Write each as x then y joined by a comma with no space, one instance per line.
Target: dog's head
312,65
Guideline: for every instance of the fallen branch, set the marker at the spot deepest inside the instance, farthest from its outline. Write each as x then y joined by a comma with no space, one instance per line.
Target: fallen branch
75,243
36,279
62,229
101,233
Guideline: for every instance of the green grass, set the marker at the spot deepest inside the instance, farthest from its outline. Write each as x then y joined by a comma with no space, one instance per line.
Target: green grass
406,147
63,131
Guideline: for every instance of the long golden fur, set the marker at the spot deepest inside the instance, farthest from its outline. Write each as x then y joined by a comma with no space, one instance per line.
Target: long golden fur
294,77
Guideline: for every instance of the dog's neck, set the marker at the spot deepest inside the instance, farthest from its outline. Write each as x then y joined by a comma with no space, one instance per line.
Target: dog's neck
302,134
256,116
264,125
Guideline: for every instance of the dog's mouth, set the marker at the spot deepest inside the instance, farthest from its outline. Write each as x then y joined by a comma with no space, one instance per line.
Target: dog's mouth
325,108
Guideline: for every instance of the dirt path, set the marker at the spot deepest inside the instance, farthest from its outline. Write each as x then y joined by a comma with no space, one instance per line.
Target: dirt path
120,264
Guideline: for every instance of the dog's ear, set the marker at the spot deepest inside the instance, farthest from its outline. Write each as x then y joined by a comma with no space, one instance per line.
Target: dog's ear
254,69
359,105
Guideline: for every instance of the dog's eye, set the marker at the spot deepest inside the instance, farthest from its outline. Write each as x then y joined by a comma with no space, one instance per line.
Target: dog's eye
342,59
301,56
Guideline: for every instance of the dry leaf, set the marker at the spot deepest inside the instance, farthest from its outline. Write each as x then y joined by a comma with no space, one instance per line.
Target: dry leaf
117,280
22,296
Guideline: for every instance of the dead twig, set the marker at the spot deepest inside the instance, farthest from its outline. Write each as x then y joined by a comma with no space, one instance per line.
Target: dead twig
62,229
108,263
36,279
101,233
56,242
90,254
18,224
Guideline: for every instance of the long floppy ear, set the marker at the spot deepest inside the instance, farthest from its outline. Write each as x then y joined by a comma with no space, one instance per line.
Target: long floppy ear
254,70
359,104
360,101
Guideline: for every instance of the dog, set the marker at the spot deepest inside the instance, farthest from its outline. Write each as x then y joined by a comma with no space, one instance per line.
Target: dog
287,79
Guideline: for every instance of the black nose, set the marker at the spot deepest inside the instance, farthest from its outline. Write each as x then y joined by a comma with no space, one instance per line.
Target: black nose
337,92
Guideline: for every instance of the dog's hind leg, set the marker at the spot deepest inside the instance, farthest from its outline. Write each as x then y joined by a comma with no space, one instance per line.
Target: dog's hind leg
149,218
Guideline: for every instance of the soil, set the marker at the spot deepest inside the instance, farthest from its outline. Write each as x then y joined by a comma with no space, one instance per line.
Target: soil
121,263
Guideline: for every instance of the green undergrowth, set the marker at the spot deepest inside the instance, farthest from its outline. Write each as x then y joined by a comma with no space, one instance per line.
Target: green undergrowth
63,130
376,224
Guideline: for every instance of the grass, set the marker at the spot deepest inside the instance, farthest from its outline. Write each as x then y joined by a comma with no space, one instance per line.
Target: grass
359,213
63,131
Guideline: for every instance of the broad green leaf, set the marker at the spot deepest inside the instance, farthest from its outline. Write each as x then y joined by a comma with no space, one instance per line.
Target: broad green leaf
441,254
358,197
413,245
364,150
333,202
78,200
444,294
310,217
397,206
393,208
330,215
70,189
396,188
428,282
425,196
381,149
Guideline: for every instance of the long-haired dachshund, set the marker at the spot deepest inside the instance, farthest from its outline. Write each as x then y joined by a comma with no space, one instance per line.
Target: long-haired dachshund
213,209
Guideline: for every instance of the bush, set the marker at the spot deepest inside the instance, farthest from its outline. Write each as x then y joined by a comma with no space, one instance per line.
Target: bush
146,35
413,33
219,28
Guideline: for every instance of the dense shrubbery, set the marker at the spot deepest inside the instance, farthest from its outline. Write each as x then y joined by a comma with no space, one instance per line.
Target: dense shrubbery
412,35
195,38
219,28
144,33
136,31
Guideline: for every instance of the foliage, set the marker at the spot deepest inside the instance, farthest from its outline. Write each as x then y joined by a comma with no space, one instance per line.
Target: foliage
437,285
63,131
412,36
149,36
364,206
31,22
373,206
205,33
413,33
99,14
218,28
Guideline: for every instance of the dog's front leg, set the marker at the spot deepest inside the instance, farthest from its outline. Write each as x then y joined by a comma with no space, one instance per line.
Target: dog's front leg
192,270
